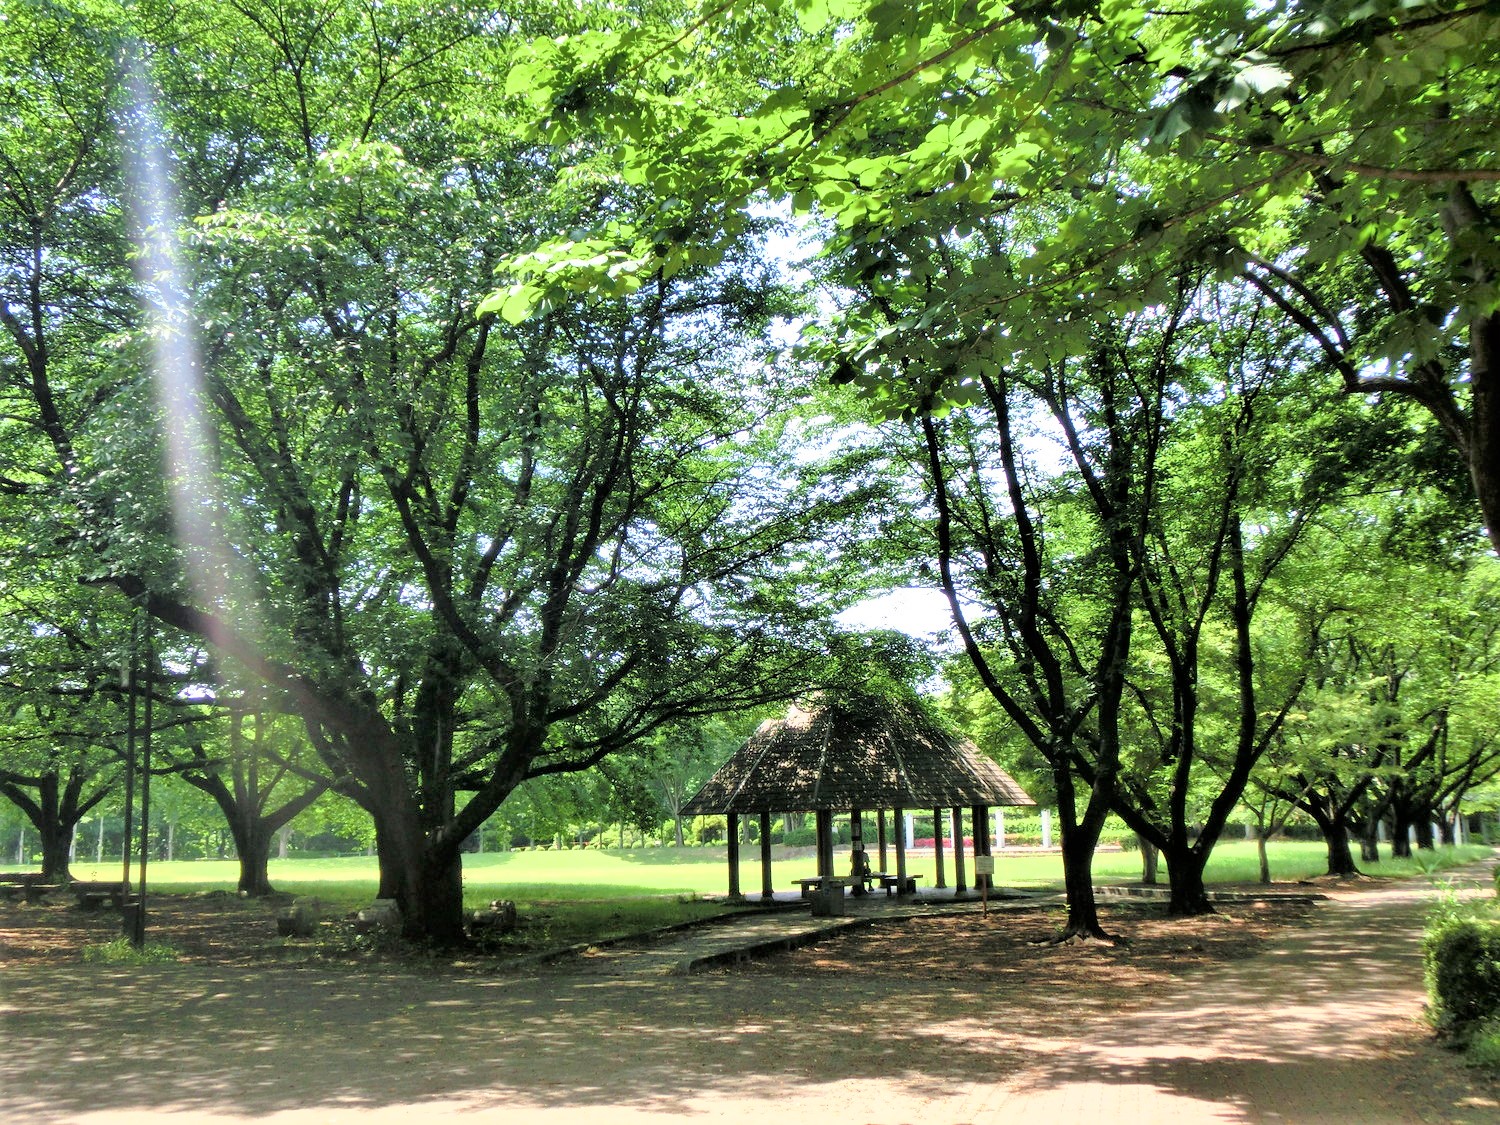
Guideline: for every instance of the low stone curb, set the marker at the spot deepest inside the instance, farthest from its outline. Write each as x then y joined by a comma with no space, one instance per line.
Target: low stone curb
741,953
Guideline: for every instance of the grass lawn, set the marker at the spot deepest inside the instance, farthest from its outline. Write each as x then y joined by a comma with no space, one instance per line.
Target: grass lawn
590,894
594,874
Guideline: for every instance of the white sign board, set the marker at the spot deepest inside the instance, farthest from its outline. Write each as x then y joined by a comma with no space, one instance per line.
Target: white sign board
984,865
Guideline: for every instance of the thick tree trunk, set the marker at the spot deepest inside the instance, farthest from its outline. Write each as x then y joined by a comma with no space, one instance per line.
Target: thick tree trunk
54,815
252,845
1189,897
1484,416
1340,859
57,845
1080,839
1425,841
425,878
1078,881
1263,858
440,898
1400,835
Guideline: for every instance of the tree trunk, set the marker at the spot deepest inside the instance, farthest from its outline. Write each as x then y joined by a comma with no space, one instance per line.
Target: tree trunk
1425,839
1080,839
57,843
1078,881
1189,896
1463,214
1149,860
439,913
677,828
1369,840
1263,858
252,843
1340,859
1400,835
425,878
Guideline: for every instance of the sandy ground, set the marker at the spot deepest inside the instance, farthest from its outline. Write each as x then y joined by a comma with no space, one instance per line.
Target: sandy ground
1246,1018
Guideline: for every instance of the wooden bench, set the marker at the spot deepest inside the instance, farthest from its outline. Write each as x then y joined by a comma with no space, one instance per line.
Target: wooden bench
891,884
91,896
28,891
860,883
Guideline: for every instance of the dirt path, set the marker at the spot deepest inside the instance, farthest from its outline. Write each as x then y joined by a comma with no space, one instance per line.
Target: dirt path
1320,1026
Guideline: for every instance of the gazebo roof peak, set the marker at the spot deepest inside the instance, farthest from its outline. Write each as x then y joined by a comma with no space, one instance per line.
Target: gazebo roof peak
856,751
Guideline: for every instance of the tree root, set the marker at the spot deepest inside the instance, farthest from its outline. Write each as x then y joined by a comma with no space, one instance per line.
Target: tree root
1082,937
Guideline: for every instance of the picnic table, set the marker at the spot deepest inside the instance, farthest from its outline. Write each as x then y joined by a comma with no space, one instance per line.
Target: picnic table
91,896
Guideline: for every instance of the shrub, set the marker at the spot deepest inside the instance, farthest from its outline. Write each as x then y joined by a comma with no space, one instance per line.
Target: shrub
1484,1045
1461,967
122,952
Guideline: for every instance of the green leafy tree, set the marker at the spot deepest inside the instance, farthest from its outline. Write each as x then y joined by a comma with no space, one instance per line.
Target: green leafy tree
1341,157
1231,498
259,771
466,552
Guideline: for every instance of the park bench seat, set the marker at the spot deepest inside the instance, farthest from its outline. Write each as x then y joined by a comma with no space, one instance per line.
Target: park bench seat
91,896
817,882
891,884
28,891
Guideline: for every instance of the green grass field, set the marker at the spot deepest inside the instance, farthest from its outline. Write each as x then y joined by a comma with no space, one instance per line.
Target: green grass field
592,894
610,874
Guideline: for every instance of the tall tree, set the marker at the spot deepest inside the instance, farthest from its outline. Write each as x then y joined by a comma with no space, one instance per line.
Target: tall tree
1232,499
1049,559
466,552
257,774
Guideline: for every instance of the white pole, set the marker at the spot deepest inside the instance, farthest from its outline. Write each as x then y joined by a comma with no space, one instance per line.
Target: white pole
1046,828
999,827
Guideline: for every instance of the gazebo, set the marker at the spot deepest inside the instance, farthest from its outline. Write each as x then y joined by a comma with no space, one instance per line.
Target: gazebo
858,755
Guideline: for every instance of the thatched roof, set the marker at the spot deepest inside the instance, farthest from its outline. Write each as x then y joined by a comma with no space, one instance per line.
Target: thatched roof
861,754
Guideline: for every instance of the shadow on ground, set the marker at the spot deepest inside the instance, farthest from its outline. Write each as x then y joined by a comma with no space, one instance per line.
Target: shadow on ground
1323,1017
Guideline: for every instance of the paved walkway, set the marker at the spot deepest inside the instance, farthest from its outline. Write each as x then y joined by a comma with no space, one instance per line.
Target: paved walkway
788,925
1321,1027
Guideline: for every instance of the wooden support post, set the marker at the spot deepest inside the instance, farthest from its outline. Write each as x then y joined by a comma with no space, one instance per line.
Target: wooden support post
880,821
767,893
857,847
824,819
900,818
979,815
937,845
733,829
959,885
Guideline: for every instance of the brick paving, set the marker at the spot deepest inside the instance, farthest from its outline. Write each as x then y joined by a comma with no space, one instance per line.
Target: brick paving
1320,1027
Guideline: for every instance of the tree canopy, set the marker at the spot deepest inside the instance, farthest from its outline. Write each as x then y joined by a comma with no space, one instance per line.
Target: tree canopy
422,371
